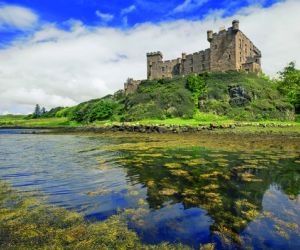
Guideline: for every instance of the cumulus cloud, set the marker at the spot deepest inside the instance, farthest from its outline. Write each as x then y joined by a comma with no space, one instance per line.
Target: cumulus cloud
189,5
105,17
16,17
55,67
128,10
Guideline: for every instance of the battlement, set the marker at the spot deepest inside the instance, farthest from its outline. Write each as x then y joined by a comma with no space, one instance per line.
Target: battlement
158,53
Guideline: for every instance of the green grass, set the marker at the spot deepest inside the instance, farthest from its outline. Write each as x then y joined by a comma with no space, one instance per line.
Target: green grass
43,122
198,119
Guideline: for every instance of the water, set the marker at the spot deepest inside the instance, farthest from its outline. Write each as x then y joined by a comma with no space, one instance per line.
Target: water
233,191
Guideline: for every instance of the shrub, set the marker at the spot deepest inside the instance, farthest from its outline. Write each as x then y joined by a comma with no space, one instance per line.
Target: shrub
159,100
197,85
101,110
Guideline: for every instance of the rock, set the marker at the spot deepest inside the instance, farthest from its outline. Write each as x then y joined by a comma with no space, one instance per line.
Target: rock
238,96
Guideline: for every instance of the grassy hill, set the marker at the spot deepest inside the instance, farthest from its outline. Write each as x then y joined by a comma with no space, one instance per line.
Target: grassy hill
230,95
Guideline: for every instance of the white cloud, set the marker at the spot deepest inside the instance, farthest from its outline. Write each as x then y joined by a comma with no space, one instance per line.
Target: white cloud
59,68
105,17
189,5
16,17
128,10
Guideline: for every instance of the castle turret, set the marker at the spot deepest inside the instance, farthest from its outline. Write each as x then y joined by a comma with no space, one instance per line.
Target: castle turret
209,35
153,59
235,25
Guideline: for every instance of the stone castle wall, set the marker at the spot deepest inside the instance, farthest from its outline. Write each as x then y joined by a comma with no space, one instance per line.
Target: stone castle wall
131,85
229,50
247,54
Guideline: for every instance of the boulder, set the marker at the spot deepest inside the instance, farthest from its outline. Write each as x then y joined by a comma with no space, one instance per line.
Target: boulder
238,96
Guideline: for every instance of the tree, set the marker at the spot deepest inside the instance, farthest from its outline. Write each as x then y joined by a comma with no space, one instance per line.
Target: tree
37,111
289,84
43,111
196,84
101,110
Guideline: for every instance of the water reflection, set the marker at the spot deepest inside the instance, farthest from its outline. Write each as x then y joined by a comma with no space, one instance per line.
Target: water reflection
230,186
230,191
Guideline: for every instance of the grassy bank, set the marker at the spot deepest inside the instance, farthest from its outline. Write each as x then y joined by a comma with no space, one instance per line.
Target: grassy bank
42,122
199,120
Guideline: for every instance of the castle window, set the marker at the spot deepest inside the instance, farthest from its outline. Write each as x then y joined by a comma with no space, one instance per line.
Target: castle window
229,57
163,69
192,70
240,59
216,46
203,58
203,66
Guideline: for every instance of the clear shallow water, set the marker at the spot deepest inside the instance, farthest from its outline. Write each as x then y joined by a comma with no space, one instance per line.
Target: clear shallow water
234,193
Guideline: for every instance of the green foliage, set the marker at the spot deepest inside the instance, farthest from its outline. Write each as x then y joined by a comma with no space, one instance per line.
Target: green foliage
289,84
101,110
51,112
98,109
197,85
37,111
236,95
159,100
65,112
209,117
265,102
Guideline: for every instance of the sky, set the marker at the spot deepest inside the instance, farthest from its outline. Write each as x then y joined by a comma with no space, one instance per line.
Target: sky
60,53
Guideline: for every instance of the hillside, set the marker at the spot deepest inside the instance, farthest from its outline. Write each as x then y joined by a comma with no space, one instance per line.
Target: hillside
235,95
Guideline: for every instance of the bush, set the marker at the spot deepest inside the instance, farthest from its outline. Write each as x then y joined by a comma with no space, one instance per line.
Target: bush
101,110
197,85
159,100
289,85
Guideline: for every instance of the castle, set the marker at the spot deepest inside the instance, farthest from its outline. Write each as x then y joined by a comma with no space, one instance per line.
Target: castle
229,49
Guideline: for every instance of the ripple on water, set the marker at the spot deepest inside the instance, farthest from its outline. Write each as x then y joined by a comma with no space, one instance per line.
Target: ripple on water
193,195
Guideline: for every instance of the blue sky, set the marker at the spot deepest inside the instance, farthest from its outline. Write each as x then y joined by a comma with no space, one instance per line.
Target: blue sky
60,53
122,14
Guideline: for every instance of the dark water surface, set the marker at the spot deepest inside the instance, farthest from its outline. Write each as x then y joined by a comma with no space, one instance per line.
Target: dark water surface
233,191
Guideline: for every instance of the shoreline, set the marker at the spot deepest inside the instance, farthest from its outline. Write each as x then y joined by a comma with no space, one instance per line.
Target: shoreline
269,128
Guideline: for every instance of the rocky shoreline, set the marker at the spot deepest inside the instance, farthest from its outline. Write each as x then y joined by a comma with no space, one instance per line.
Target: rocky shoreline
160,128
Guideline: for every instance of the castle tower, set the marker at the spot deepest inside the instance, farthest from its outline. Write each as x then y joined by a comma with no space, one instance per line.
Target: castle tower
222,48
154,60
